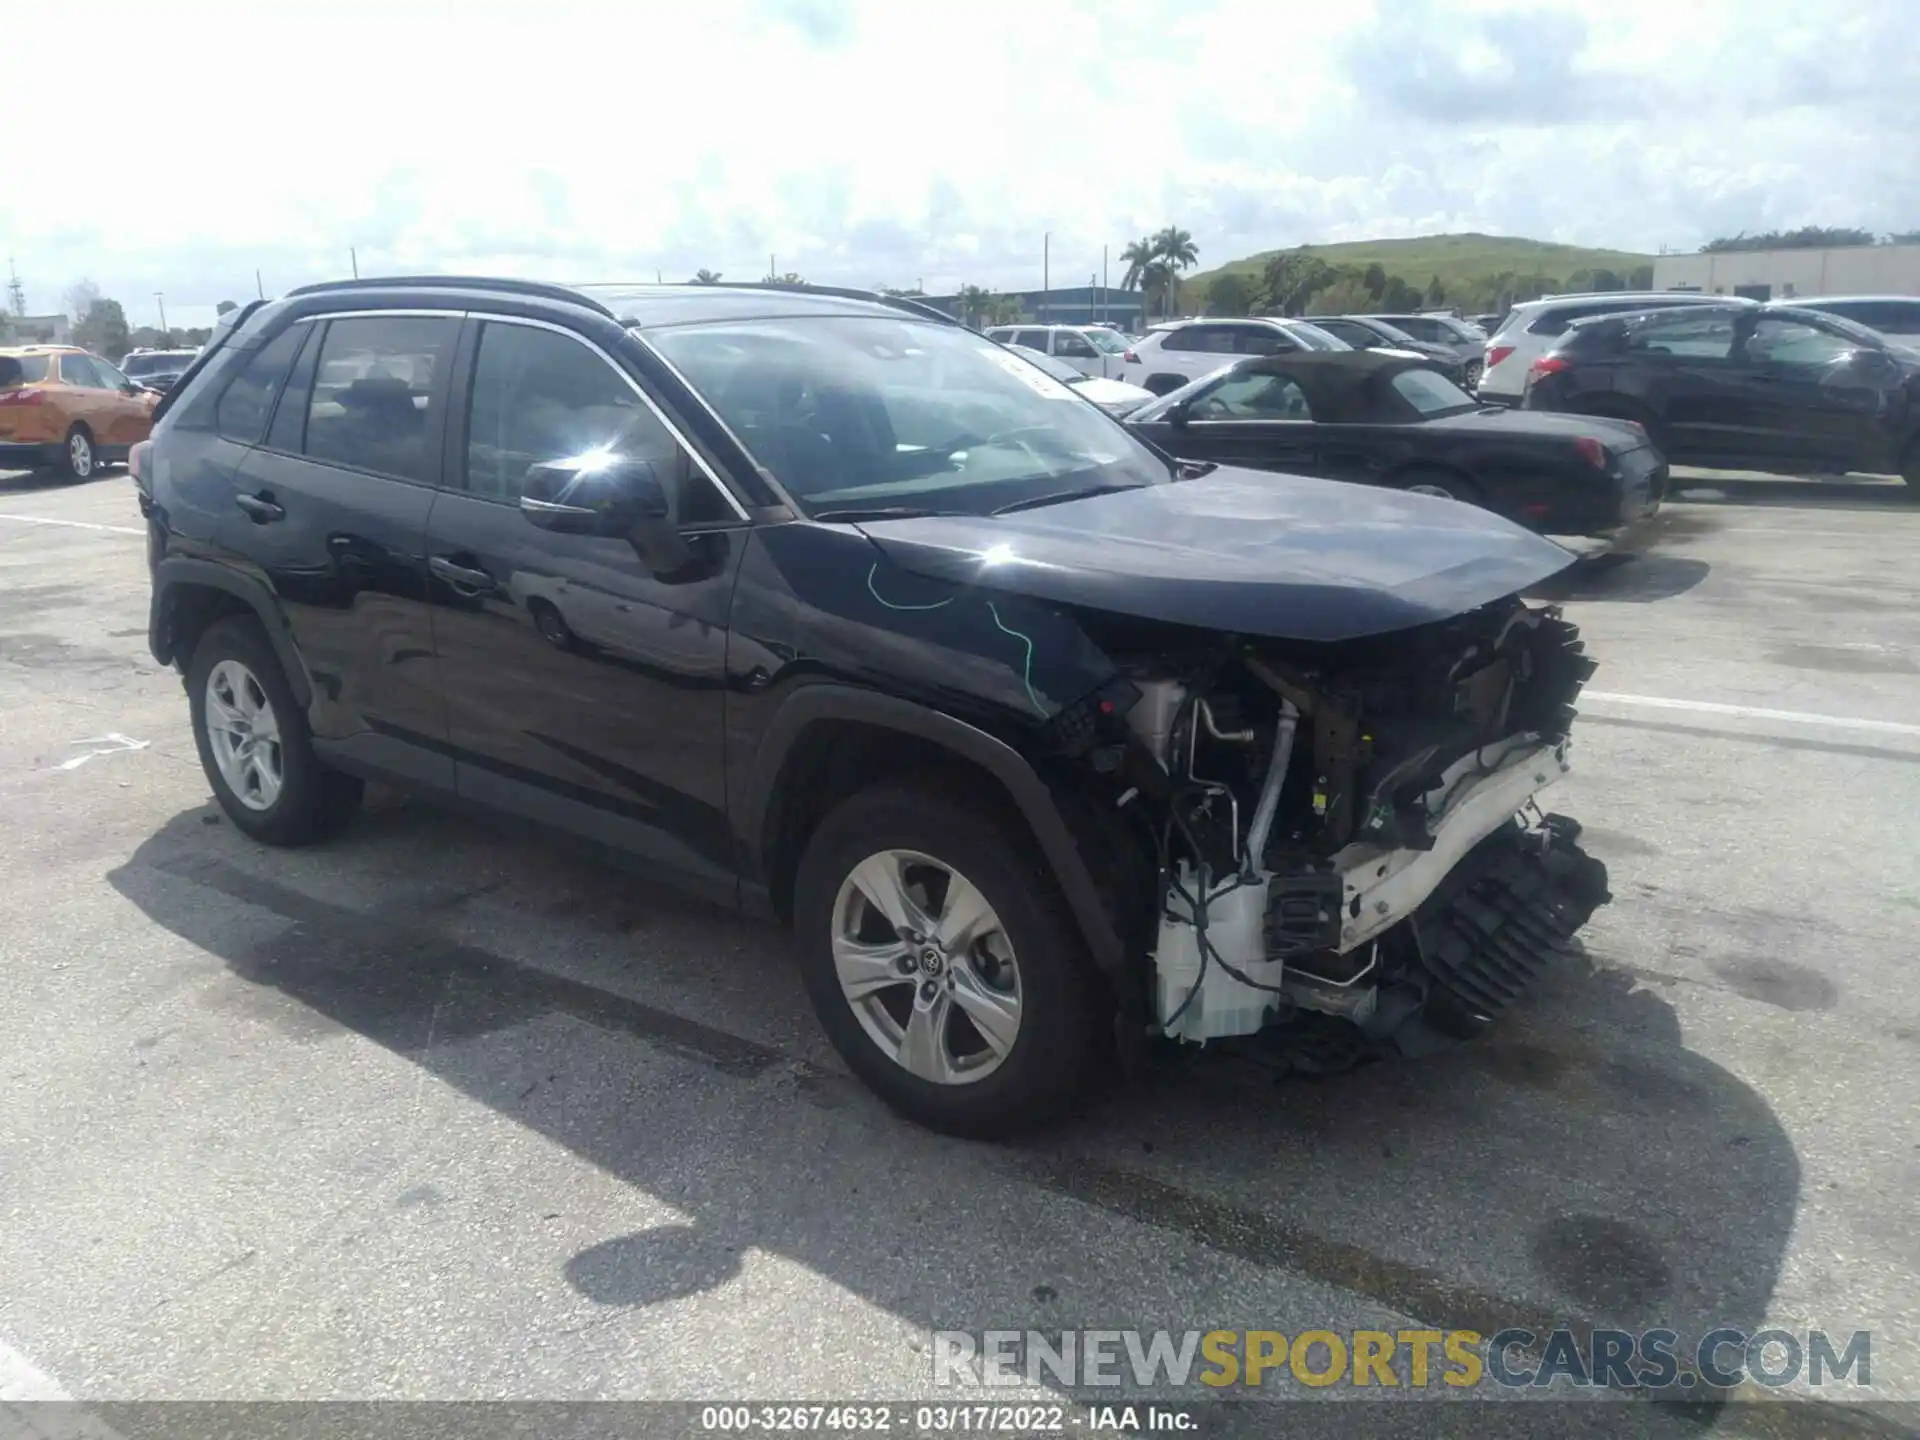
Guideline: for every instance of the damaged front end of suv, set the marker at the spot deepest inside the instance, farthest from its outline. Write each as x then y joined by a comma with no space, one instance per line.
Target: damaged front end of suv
1313,794
1353,831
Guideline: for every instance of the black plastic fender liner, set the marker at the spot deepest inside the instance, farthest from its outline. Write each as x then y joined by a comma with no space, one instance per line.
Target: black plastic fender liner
176,572
1521,898
826,702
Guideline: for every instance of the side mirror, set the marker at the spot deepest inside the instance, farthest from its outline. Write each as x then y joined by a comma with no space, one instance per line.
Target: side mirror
616,497
1180,414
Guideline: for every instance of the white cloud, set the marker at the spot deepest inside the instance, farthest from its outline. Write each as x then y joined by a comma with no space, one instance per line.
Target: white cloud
889,141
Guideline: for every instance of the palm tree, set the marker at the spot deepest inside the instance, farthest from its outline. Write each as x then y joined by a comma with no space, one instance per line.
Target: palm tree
1176,249
975,304
706,277
1138,255
1156,278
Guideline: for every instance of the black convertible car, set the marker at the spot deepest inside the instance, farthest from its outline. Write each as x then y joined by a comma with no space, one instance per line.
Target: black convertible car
1389,420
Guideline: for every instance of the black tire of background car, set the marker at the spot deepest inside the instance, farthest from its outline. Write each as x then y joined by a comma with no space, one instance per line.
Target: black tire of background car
1163,384
1452,483
66,465
314,801
1046,1072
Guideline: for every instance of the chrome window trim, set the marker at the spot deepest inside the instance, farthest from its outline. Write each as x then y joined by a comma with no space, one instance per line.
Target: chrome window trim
772,480
491,318
383,314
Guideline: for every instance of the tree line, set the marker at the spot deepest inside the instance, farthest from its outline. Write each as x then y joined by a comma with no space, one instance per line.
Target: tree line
100,326
1298,282
1808,237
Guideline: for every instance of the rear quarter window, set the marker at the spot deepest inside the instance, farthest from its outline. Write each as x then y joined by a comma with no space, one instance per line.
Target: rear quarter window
22,369
243,409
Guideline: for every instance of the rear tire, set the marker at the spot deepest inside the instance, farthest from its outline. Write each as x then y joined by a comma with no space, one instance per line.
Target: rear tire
274,789
78,458
1443,484
1163,384
880,994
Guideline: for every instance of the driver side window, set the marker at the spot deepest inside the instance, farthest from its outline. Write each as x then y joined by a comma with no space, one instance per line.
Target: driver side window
1778,341
539,396
1253,397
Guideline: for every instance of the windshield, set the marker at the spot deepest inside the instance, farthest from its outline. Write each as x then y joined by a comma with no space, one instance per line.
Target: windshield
1059,369
1431,393
1314,338
858,413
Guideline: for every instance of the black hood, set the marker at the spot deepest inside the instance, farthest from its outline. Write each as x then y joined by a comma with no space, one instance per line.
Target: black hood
1239,551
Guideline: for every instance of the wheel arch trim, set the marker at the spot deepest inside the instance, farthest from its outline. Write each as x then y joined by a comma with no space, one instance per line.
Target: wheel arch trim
176,573
826,702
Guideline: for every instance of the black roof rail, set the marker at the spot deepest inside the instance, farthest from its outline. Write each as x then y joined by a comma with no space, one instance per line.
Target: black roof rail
909,303
540,288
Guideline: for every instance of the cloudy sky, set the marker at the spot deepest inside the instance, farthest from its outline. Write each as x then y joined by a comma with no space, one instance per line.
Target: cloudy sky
876,142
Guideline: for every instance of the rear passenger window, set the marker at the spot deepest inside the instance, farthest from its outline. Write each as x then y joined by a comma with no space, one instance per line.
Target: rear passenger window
539,396
242,412
371,392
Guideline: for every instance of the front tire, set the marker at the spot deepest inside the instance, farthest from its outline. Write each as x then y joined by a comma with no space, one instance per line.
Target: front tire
78,459
942,964
254,744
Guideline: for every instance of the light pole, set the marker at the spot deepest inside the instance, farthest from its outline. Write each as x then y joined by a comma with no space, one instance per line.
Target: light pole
1046,283
162,299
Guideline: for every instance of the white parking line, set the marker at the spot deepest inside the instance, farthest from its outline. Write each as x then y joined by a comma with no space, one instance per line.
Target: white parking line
73,524
1753,712
23,1381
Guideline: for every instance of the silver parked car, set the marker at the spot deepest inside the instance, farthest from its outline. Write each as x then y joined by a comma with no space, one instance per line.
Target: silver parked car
1116,397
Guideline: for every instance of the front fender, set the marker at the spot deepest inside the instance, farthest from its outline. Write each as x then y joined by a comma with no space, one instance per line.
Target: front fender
826,702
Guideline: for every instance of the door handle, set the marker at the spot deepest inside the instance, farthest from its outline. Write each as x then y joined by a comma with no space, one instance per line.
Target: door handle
463,578
262,509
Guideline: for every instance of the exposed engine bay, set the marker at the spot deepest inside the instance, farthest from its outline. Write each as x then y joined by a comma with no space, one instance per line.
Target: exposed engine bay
1348,852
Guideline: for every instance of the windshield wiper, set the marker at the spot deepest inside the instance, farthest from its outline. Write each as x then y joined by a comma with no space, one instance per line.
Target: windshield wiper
882,512
1060,497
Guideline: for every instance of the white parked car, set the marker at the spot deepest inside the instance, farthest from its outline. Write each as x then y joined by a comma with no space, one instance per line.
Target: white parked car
1533,327
1895,316
1116,397
1170,355
1090,349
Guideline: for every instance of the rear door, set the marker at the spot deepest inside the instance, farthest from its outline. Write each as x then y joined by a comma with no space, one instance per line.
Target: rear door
583,688
1682,366
86,397
330,510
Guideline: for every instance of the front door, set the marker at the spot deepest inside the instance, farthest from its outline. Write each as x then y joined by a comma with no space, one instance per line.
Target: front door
1258,419
1073,348
583,688
330,509
1812,399
127,416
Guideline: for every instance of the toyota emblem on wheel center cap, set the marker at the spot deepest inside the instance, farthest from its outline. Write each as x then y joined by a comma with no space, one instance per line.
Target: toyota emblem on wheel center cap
931,961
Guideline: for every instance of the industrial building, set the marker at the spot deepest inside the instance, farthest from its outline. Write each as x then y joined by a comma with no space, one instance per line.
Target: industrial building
1075,305
1785,274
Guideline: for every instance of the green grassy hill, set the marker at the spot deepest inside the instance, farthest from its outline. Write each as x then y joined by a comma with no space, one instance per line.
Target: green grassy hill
1459,260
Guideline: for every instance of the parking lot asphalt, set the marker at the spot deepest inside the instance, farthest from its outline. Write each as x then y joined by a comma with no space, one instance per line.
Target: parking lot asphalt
443,1110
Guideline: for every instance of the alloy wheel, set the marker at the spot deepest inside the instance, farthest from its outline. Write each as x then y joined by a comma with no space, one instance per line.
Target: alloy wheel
927,967
245,735
80,454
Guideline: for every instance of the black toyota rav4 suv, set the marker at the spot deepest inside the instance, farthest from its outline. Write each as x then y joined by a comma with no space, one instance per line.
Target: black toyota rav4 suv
1042,742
